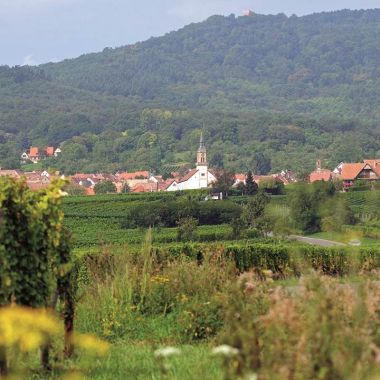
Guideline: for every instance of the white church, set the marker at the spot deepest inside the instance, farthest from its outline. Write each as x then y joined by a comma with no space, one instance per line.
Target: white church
198,178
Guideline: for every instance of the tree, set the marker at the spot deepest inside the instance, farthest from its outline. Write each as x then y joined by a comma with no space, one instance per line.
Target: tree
224,181
217,161
254,209
74,189
250,185
126,189
105,187
261,163
187,228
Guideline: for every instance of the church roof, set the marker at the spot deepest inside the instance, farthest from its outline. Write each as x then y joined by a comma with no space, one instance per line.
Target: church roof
188,175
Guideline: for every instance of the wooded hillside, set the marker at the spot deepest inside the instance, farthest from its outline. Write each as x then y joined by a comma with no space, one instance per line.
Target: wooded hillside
271,92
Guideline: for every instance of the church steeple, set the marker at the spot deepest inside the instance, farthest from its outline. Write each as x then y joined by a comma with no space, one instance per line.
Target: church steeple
202,153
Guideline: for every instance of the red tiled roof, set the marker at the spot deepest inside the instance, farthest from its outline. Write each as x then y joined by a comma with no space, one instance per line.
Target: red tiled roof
164,185
320,175
240,176
33,152
375,164
89,191
351,171
49,151
129,176
144,187
10,173
188,175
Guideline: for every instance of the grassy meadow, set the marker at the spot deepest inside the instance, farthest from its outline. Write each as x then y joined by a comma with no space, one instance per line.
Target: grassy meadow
227,307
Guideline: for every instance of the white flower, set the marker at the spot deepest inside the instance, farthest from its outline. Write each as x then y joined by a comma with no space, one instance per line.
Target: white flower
225,350
251,376
166,352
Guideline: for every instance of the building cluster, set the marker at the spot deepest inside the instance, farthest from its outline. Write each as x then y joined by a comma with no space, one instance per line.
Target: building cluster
36,180
36,154
201,177
348,173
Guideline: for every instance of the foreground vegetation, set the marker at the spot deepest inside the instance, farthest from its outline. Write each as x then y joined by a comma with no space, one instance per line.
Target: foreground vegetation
183,302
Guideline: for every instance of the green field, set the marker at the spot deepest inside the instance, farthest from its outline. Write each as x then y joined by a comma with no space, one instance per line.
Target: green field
287,310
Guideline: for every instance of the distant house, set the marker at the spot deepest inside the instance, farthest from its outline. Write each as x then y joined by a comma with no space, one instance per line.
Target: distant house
239,179
143,174
57,152
352,172
10,173
34,154
320,174
49,151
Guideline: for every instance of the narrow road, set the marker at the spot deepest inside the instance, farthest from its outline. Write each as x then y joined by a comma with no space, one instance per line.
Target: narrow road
320,242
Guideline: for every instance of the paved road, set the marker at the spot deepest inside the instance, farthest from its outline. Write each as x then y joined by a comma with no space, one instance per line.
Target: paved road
313,241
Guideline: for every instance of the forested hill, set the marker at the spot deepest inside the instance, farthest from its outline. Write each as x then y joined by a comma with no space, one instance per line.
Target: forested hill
324,63
269,92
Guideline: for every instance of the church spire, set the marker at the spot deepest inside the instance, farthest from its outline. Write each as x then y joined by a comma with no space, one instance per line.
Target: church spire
202,152
201,143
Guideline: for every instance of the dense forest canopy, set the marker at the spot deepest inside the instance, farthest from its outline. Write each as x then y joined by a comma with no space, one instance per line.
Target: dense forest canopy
270,92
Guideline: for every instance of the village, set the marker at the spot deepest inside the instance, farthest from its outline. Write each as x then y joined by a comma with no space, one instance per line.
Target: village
200,177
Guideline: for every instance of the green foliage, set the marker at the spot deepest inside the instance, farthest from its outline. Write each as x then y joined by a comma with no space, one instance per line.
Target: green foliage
105,187
250,185
167,214
187,229
30,236
35,256
253,211
271,92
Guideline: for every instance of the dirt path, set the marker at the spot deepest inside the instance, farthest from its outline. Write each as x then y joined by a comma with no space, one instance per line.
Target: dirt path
320,242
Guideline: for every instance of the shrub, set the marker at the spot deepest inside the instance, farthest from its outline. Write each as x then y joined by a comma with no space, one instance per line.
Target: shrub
105,187
322,330
187,228
201,319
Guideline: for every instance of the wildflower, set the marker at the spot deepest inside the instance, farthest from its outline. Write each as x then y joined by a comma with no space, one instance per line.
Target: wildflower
91,344
166,352
251,376
225,350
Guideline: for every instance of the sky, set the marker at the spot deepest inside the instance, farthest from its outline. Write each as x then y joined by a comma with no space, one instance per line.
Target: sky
39,31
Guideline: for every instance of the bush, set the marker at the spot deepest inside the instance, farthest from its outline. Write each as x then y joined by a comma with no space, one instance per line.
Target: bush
201,320
105,187
187,228
323,330
168,213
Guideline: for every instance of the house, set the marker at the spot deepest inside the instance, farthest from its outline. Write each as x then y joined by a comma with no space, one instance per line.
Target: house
352,172
10,173
57,152
198,178
49,151
320,174
148,187
375,165
239,179
34,154
143,174
24,156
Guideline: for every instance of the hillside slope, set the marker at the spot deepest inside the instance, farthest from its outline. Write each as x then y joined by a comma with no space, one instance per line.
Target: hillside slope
269,92
322,64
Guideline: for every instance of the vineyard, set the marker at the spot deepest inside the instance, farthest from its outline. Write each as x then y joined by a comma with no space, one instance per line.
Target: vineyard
364,203
99,219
